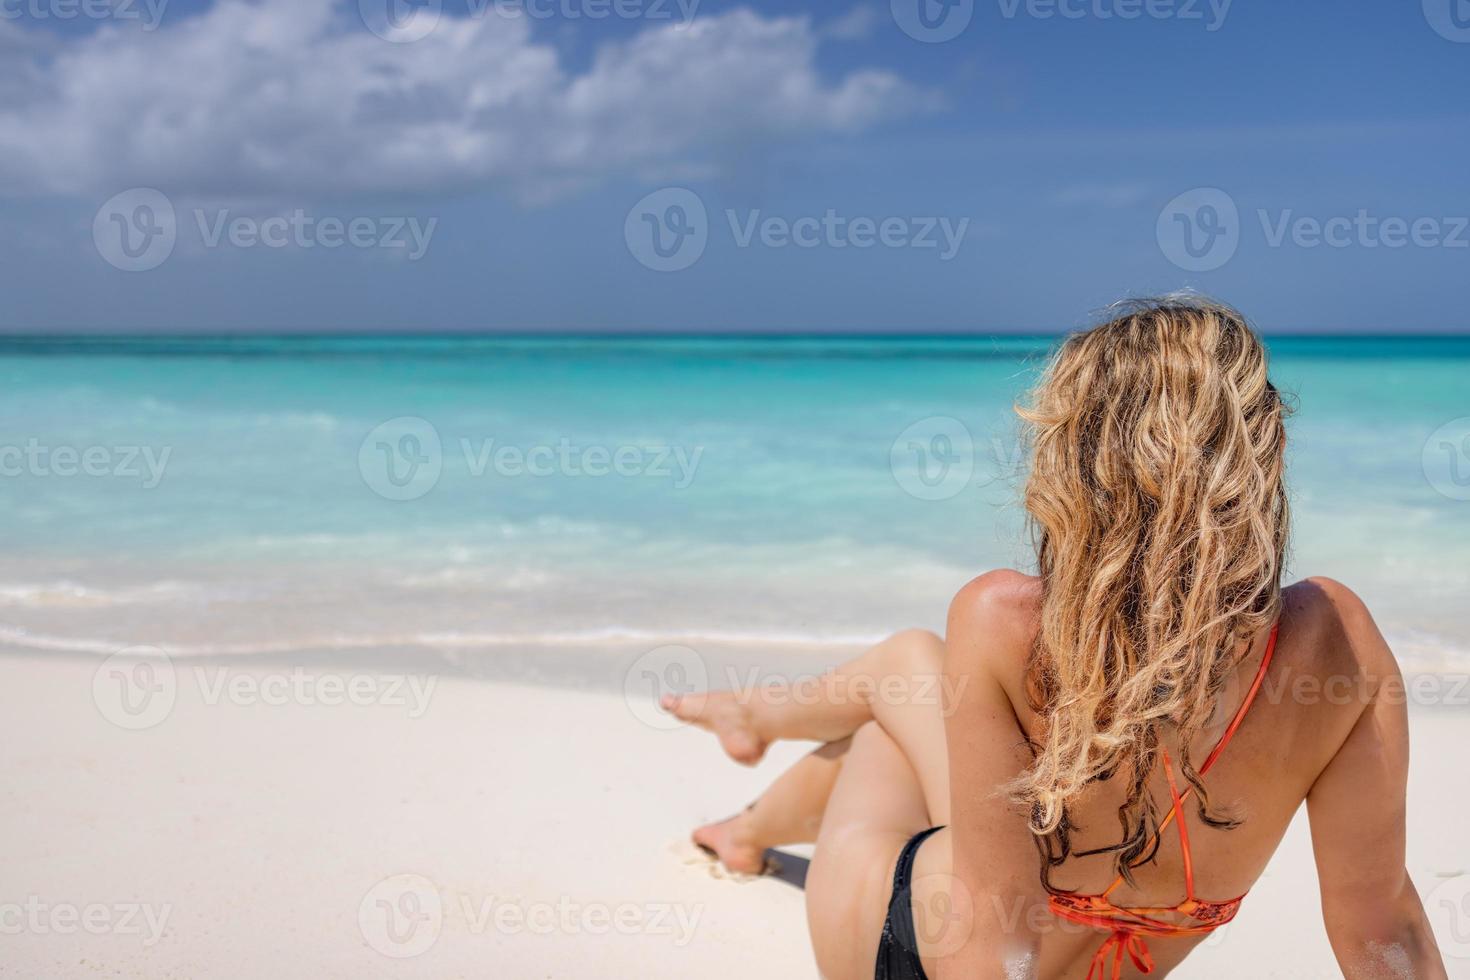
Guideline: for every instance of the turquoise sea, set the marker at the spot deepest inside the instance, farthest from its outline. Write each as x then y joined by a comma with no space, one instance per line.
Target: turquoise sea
453,498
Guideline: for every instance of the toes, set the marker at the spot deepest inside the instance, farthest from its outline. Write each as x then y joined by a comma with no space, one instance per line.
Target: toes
680,706
685,707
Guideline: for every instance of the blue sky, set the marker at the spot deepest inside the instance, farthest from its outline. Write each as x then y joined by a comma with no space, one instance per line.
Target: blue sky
278,165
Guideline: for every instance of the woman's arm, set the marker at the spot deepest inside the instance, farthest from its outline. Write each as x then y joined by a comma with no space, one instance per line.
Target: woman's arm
997,889
1373,915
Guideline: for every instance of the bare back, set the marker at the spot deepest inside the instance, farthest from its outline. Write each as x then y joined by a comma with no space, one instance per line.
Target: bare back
1322,694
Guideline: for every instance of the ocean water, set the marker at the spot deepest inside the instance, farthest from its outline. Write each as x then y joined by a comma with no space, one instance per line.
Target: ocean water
461,498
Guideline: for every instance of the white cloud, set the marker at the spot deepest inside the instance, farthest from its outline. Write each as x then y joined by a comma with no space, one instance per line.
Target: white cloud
855,25
270,97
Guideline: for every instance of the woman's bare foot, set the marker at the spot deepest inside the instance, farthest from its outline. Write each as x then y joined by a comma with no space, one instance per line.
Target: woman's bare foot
731,841
722,713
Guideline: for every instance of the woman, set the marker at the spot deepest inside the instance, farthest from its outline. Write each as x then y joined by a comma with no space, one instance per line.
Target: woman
1111,749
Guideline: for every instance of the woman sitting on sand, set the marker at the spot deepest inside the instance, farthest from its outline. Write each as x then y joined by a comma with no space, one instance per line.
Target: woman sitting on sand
1147,713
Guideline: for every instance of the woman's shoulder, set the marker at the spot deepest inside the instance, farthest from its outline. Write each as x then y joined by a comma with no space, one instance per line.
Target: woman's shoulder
1331,631
1326,627
993,621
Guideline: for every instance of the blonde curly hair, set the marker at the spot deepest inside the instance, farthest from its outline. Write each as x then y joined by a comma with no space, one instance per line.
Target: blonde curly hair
1157,501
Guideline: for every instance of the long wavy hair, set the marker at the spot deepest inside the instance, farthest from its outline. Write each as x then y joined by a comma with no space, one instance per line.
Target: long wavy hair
1157,502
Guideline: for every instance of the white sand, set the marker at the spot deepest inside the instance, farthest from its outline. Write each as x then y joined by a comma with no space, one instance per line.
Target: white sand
260,830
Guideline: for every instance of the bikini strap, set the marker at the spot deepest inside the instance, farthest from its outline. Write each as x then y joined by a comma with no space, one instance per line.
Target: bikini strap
1176,811
1246,704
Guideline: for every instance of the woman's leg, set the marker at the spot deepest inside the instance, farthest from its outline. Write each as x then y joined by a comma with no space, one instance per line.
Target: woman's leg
789,812
877,805
897,683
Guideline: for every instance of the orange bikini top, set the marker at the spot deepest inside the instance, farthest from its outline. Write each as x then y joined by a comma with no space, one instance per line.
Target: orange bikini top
1130,927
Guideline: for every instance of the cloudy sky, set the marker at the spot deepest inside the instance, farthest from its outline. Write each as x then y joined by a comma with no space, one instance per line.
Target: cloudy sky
898,165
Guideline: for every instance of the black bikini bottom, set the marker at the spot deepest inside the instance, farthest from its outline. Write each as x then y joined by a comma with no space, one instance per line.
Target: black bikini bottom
898,947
